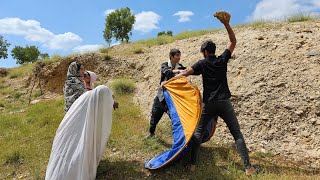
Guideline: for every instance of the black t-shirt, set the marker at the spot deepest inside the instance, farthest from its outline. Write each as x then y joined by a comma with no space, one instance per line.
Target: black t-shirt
214,76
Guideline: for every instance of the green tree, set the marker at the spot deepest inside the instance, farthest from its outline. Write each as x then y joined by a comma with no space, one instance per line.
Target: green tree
161,33
3,48
44,55
28,54
169,33
107,34
119,24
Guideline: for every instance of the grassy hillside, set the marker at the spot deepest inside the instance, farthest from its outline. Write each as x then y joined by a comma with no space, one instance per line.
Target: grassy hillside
27,133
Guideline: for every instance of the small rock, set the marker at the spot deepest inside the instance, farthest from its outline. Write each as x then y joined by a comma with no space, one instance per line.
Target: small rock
264,118
313,97
305,133
146,77
313,53
271,131
302,126
313,120
280,84
318,122
291,144
133,65
263,150
287,105
285,37
260,38
307,31
299,113
35,101
261,84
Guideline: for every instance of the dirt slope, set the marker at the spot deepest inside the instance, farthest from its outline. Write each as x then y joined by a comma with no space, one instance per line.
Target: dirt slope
274,77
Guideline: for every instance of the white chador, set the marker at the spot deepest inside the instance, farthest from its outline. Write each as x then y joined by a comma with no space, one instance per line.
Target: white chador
81,137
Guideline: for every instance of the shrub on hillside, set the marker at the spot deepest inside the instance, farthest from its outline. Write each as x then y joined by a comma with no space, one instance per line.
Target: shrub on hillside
106,57
3,72
123,86
104,50
138,50
13,75
15,157
54,58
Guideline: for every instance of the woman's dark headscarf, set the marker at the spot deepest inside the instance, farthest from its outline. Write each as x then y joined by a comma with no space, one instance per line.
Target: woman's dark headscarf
74,86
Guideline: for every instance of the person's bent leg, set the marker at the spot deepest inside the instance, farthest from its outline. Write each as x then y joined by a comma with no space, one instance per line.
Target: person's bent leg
229,117
156,114
198,135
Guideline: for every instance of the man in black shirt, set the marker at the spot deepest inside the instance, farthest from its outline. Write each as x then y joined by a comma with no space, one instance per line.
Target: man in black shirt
216,94
168,70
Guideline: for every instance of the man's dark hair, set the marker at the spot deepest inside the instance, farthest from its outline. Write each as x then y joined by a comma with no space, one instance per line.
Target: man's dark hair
209,46
174,52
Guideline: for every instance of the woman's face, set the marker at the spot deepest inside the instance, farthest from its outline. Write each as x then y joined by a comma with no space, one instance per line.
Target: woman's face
82,71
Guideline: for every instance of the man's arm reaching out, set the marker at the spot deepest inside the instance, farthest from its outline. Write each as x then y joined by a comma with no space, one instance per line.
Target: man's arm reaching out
185,72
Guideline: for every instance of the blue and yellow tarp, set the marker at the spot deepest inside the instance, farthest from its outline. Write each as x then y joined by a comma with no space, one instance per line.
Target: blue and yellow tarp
184,102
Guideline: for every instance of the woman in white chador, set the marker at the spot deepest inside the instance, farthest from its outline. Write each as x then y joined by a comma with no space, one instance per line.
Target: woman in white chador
82,136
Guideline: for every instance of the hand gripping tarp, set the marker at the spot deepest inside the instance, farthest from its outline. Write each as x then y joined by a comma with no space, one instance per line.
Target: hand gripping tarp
184,102
81,137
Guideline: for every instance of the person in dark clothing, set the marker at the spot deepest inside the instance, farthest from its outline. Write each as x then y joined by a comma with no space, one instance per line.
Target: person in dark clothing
216,94
168,70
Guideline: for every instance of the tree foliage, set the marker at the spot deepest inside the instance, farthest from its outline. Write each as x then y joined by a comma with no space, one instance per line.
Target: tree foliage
107,34
44,55
3,48
119,25
168,33
23,55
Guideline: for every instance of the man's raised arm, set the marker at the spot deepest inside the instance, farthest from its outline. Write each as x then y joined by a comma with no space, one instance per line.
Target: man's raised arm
224,18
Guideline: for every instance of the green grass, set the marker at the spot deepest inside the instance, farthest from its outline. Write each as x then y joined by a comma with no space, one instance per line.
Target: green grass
15,158
266,23
53,58
21,71
138,50
189,34
104,50
164,39
26,138
36,94
301,18
123,86
255,24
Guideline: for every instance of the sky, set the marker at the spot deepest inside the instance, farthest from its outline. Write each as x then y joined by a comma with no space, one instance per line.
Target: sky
76,26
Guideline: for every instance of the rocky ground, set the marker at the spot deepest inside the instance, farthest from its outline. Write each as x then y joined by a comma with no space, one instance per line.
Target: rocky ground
274,77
